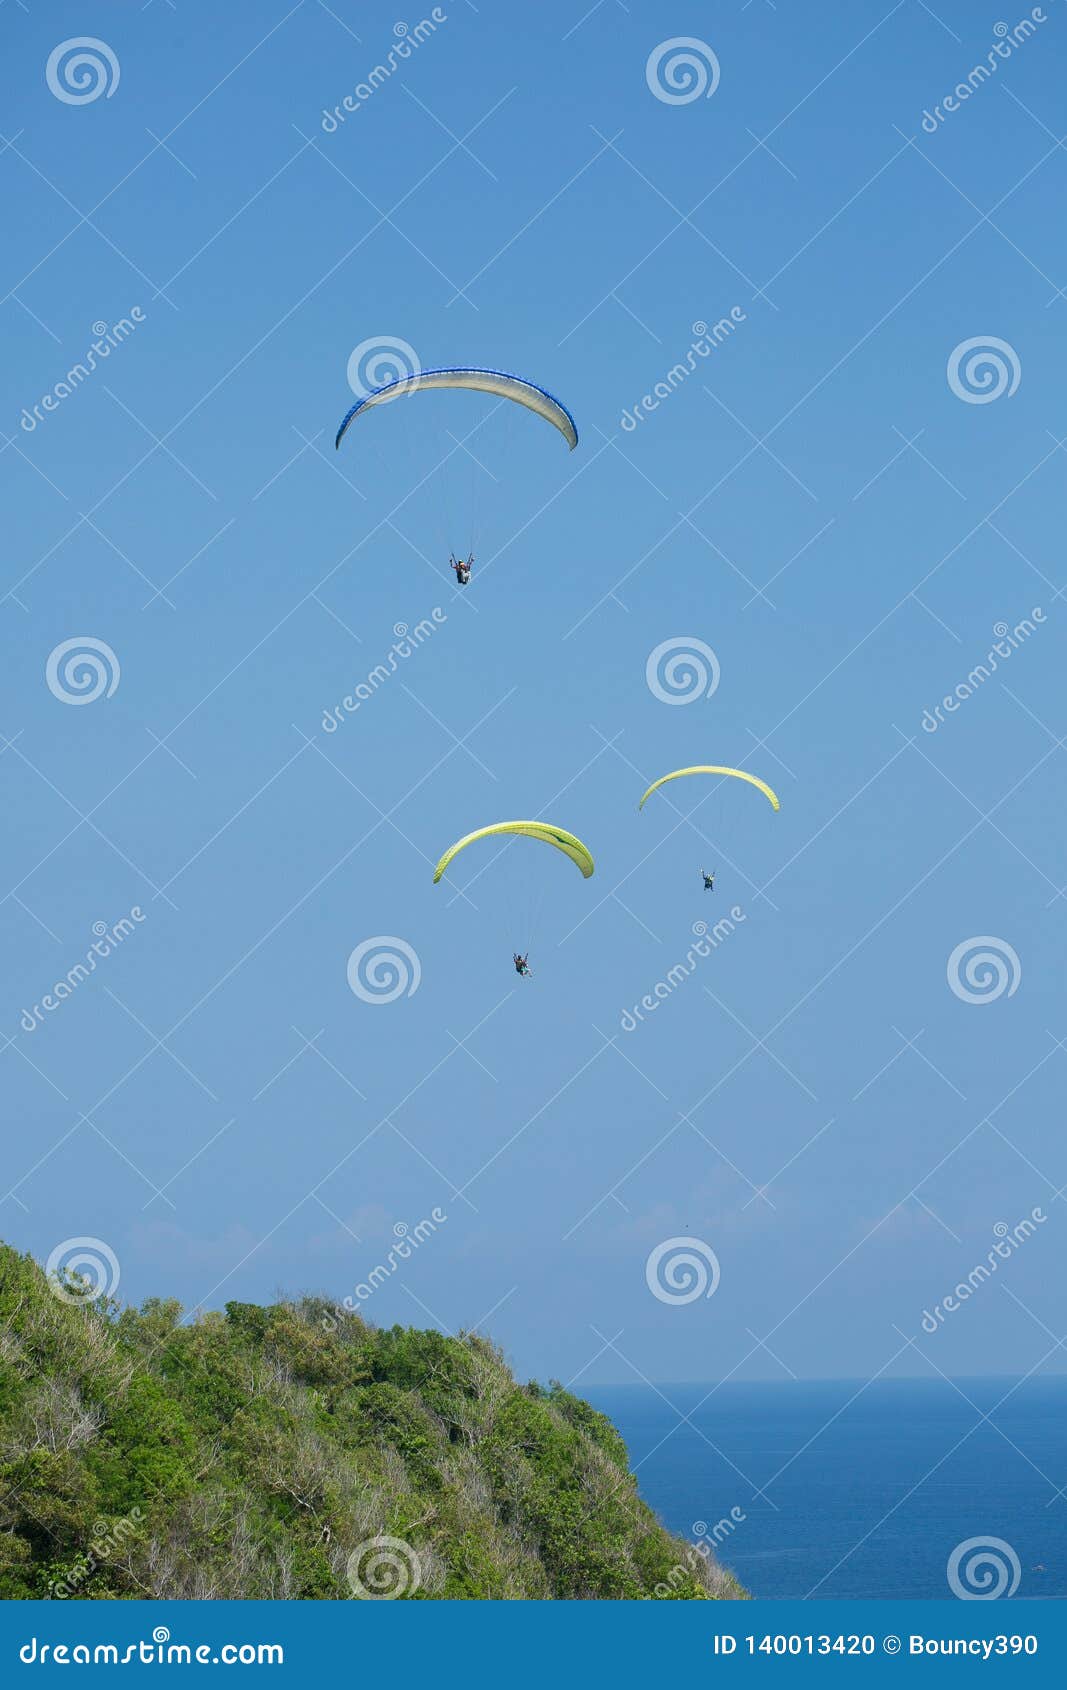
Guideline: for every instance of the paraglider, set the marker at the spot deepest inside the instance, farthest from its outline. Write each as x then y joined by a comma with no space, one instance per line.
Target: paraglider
457,508
713,769
498,382
546,832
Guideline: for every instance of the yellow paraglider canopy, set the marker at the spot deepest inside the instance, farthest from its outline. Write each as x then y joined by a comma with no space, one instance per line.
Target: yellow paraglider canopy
713,769
547,832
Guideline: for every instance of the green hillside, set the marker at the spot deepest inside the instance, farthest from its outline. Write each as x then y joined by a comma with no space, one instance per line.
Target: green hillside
267,1452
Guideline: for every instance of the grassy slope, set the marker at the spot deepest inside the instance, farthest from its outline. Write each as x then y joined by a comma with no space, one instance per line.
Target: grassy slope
251,1453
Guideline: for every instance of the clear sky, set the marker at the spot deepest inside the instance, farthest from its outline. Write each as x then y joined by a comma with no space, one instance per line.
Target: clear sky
829,502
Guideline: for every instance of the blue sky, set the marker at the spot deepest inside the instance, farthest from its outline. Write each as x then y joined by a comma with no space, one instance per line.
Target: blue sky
818,503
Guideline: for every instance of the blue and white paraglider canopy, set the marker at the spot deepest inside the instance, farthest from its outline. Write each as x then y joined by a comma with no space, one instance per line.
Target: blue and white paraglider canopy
498,382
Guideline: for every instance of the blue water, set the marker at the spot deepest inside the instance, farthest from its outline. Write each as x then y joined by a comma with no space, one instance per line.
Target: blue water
852,1490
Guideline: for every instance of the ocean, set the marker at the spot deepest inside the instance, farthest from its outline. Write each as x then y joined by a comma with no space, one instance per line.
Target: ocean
844,1489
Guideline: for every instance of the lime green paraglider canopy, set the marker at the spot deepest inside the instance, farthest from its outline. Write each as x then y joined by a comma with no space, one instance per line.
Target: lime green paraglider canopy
713,769
547,832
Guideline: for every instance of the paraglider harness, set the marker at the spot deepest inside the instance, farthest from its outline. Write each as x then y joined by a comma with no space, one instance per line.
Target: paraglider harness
462,569
521,964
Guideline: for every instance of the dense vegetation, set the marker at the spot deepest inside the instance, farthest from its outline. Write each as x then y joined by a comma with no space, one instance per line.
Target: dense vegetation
261,1452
